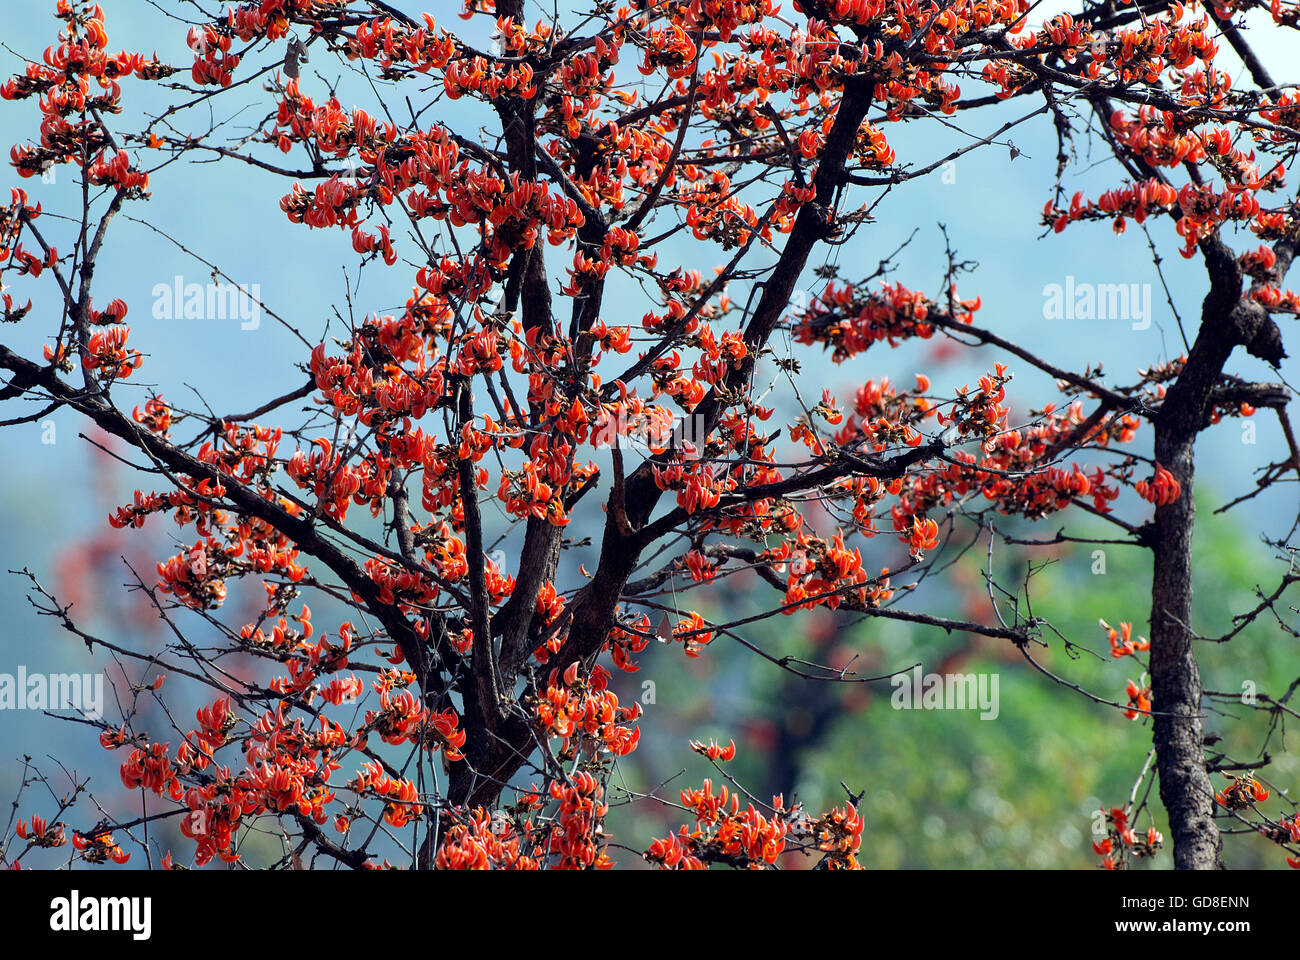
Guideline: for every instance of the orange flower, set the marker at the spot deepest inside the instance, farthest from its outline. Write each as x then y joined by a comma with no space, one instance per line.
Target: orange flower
713,751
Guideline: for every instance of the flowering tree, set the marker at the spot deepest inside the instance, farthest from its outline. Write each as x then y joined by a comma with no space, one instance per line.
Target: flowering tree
464,712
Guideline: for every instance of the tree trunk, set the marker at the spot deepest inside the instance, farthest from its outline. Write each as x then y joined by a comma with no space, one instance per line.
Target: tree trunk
1227,320
1185,788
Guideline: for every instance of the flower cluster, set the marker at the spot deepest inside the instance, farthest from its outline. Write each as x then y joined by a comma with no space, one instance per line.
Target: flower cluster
1122,841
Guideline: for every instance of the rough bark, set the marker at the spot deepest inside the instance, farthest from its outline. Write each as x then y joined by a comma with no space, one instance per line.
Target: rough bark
1227,321
1185,788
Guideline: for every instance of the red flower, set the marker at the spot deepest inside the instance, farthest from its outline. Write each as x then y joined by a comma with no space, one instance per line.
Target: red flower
715,752
1162,489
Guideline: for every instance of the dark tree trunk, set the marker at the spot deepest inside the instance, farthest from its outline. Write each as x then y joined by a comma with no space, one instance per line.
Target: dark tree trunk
1227,321
1185,788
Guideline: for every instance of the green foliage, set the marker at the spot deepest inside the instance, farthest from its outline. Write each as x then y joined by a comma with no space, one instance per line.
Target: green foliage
945,788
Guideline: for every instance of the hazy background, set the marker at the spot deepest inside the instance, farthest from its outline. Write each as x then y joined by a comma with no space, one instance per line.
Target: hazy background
942,788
